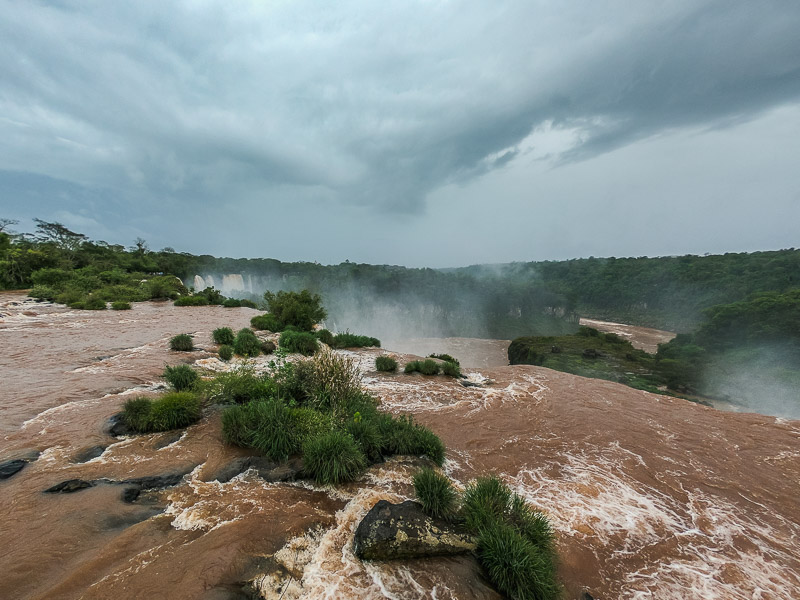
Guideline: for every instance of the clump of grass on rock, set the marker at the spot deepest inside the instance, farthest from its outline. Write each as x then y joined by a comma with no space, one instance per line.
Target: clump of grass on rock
246,343
298,341
223,335
182,343
225,352
120,305
171,411
333,457
351,340
386,364
436,493
191,301
426,367
181,377
267,322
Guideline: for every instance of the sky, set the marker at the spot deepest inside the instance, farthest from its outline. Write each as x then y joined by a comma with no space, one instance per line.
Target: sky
421,133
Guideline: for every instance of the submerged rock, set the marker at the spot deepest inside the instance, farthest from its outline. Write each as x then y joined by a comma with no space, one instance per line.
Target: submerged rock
404,531
69,486
117,426
88,454
267,469
11,467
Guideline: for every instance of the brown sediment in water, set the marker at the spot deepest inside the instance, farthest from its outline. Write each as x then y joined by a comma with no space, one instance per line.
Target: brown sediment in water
649,495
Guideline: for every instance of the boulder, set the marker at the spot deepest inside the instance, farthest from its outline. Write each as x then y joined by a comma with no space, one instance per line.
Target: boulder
404,531
11,467
267,469
88,454
69,486
117,426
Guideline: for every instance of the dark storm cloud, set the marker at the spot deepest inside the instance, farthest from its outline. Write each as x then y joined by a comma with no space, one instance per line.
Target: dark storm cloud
166,105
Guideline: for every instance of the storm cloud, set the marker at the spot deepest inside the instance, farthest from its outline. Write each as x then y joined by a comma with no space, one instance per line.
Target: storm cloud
128,116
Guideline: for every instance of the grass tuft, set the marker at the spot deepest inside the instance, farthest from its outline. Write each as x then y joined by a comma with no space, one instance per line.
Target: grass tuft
182,343
181,377
435,492
333,457
223,335
386,364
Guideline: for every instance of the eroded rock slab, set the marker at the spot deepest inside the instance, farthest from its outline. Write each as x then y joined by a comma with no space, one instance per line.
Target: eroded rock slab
267,469
391,531
11,467
88,454
69,486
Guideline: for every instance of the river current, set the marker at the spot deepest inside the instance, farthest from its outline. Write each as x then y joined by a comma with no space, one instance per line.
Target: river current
650,496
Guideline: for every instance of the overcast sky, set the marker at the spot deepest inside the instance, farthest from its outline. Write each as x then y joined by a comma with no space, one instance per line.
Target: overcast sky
428,133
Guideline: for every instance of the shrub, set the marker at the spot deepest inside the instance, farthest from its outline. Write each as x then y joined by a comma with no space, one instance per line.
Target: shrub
412,366
485,500
307,423
386,363
167,287
435,492
401,435
263,425
267,322
94,303
247,303
333,457
584,331
516,566
182,343
181,377
120,305
366,435
191,301
136,413
324,336
451,369
429,367
42,291
231,303
351,340
223,335
246,343
171,411
301,309
174,410
212,295
445,358
239,386
226,352
298,341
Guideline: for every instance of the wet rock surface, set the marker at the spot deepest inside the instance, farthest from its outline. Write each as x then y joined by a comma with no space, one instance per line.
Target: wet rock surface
11,467
267,469
88,454
70,486
117,426
402,530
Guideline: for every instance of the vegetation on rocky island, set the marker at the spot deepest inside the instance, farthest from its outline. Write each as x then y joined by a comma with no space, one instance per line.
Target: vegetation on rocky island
170,411
181,343
386,364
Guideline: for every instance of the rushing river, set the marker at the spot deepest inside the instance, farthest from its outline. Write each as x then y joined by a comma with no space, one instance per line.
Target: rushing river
651,496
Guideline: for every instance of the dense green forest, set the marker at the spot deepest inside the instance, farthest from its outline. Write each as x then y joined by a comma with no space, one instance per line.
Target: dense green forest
494,301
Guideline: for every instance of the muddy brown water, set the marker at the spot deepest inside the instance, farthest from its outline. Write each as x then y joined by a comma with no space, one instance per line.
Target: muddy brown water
651,496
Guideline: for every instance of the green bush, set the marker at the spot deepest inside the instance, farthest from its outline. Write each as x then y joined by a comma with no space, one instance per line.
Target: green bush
445,358
485,500
212,295
324,336
223,335
298,341
191,301
231,303
246,343
300,309
307,423
94,303
401,435
120,305
182,343
171,411
238,387
429,367
264,425
451,369
517,567
435,492
329,381
386,363
247,303
351,340
333,457
226,352
164,287
181,377
43,292
412,367
366,435
267,322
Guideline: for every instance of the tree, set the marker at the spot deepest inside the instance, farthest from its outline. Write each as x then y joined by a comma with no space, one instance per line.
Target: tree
299,309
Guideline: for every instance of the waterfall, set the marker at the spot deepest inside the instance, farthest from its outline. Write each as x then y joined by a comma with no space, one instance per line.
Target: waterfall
199,283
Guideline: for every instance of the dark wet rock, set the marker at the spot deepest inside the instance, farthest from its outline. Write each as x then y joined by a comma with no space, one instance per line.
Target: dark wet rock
267,469
166,440
586,596
131,494
11,467
88,454
155,482
126,520
590,353
555,349
468,383
118,427
69,486
403,531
